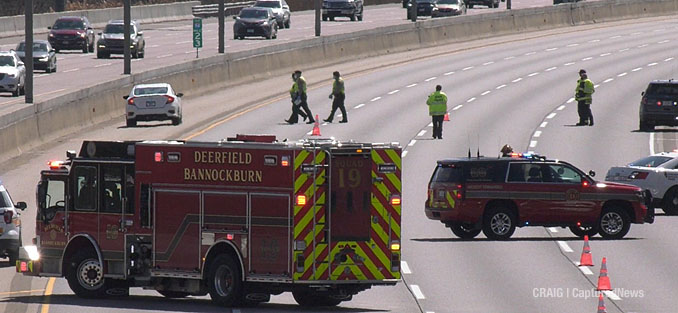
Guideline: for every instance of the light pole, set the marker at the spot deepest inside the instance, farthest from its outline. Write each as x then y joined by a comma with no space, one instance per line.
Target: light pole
127,39
28,51
317,4
221,26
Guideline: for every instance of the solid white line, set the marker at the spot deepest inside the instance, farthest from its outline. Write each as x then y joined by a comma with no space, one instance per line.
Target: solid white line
417,292
467,68
615,37
533,143
622,74
488,63
636,69
421,133
410,86
550,69
375,99
456,108
568,64
651,143
570,100
533,74
560,108
404,154
412,142
636,33
471,100
430,79
71,70
359,106
102,65
608,80
585,270
508,58
652,64
183,42
552,115
448,73
586,59
485,92
563,245
530,53
553,229
669,59
517,80
605,54
573,45
394,91
543,124
404,267
537,133
551,49
610,294
500,86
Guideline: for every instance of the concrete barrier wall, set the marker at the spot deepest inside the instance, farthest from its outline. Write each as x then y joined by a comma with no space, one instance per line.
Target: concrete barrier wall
15,25
32,125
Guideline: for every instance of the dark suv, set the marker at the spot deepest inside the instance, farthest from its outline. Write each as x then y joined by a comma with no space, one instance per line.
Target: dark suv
496,195
71,33
659,104
111,40
352,9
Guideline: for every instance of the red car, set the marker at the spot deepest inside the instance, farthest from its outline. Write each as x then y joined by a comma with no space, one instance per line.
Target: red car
496,195
71,33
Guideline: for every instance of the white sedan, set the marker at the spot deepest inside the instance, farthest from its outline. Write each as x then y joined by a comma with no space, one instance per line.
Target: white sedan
657,174
153,102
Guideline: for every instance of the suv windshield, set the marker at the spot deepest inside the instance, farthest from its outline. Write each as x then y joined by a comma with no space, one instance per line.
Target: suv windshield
662,89
447,174
267,4
6,60
117,29
651,161
69,24
260,14
36,47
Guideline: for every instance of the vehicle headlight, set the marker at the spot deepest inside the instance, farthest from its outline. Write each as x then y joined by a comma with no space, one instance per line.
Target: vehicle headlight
43,59
12,75
51,35
82,35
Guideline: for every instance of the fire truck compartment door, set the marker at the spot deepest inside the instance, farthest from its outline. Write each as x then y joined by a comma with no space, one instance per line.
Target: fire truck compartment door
270,234
176,245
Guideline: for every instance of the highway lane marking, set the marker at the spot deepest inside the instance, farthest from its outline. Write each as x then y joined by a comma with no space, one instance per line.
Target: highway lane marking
71,70
583,269
605,54
417,292
594,40
485,92
327,123
652,64
568,64
596,86
183,42
610,294
563,245
537,134
49,92
586,59
625,49
163,56
410,85
456,108
608,80
643,46
359,106
47,294
467,68
543,124
405,268
412,142
448,73
9,293
636,33
394,91
552,115
471,100
663,41
530,53
570,100
658,30
154,46
421,133
430,79
517,80
622,74
40,75
550,69
375,99
500,87
404,154
533,74
488,63
669,59
102,65
615,37
431,125
573,45
508,58
553,229
560,108
636,69
533,143
551,49
187,52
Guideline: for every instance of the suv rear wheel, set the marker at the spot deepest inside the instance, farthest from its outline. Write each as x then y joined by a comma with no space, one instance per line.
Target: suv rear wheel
581,231
464,231
614,223
499,223
645,126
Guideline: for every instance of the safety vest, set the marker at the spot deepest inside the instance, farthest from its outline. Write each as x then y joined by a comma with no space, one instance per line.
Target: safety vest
294,89
338,86
584,90
437,103
301,84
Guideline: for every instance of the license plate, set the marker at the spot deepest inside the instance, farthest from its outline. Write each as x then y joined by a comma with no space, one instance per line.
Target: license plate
250,30
65,42
150,104
667,103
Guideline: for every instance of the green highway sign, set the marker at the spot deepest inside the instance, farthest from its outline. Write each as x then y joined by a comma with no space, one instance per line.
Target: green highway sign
197,33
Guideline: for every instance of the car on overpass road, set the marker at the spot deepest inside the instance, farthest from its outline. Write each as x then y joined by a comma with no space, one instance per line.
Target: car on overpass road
12,73
281,11
44,56
71,33
111,40
352,9
257,22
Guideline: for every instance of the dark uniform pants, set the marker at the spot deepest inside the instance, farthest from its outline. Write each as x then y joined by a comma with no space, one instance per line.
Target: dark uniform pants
297,110
295,114
438,125
338,103
585,114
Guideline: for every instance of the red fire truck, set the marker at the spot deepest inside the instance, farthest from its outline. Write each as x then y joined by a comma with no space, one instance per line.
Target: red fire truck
240,219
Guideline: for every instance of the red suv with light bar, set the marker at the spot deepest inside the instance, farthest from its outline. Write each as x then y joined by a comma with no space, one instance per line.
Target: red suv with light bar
496,195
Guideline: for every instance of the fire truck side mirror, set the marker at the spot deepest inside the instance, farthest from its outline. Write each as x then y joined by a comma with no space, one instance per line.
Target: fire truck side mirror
70,155
21,205
42,191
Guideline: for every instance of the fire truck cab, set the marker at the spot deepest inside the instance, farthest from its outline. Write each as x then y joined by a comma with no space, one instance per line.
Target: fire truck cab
240,219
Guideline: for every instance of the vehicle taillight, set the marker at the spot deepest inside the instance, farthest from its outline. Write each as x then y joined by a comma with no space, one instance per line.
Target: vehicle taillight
585,184
130,101
659,103
170,99
638,175
460,191
8,216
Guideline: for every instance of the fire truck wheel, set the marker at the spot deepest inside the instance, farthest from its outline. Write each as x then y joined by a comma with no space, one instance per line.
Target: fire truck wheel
224,280
86,276
464,232
308,298
581,231
614,223
173,294
499,223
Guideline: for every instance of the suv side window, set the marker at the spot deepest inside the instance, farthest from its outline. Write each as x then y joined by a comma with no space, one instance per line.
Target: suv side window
517,173
560,173
447,173
485,172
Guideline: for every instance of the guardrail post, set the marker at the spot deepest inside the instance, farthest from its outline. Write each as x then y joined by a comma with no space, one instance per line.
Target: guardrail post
221,26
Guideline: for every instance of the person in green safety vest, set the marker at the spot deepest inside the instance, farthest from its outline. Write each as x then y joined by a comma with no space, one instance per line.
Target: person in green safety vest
339,95
583,96
437,107
296,100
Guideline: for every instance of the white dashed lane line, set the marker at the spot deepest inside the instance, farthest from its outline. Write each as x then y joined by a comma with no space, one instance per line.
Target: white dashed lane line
500,87
471,100
488,63
537,134
610,294
622,74
430,124
375,99
636,69
605,54
430,79
517,80
530,53
163,56
568,64
560,108
457,107
410,85
359,106
551,49
183,42
412,142
533,143
102,65
643,46
552,115
652,64
587,59
508,58
625,49
573,45
570,100
405,268
532,74
596,86
584,269
543,124
663,41
71,70
669,59
467,68
563,245
485,93
594,40
615,37
393,92
417,292
421,133
608,80
550,69
448,73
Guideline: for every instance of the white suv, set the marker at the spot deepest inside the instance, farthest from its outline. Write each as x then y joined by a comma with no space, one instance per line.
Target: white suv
281,11
10,226
153,102
12,73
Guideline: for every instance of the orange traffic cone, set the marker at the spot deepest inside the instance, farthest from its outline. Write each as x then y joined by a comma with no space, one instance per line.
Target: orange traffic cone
586,259
603,280
447,117
316,127
601,304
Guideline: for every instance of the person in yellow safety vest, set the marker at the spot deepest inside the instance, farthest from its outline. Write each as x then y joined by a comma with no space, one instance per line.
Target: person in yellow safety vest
301,83
294,96
437,107
583,96
339,95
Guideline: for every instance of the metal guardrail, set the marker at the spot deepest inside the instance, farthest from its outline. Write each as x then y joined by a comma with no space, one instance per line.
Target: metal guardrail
209,10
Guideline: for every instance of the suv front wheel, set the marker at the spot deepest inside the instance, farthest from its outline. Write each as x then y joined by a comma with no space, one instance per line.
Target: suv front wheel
465,231
614,223
499,223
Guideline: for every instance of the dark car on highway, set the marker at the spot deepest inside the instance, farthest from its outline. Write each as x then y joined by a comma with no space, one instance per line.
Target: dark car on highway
71,33
488,3
659,104
424,8
257,22
112,38
565,1
44,56
352,9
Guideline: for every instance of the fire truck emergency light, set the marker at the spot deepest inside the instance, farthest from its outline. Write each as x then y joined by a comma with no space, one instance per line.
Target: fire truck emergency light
395,246
158,156
395,200
301,199
54,165
285,161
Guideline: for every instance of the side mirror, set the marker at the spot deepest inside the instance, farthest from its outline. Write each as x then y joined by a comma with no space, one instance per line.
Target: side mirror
21,63
592,173
140,33
181,94
49,27
235,17
125,97
642,93
89,27
21,205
